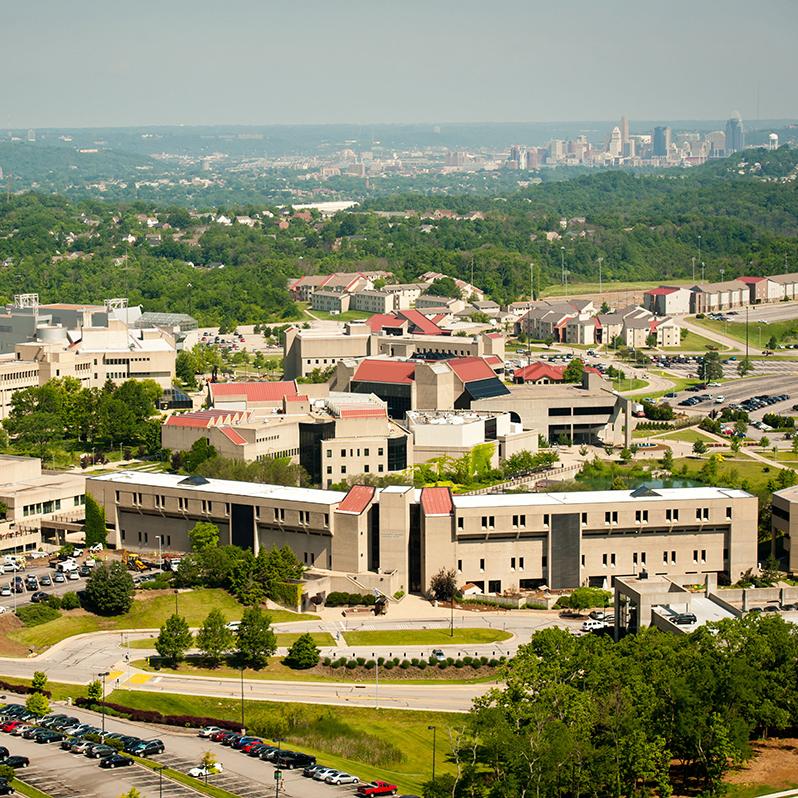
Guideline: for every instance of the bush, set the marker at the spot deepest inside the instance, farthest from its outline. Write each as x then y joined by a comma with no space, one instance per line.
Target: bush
326,662
36,614
361,661
369,664
54,602
494,663
388,665
380,661
351,664
443,666
339,663
422,664
152,716
24,689
70,601
458,663
341,599
404,664
303,654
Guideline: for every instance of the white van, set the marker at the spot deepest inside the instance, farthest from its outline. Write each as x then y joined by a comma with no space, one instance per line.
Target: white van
67,566
593,625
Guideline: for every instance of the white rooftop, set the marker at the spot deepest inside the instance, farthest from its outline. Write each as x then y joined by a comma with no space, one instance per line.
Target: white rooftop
253,490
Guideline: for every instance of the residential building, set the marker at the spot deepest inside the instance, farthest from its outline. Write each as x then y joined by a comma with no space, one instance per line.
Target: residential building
762,289
233,396
712,297
499,543
330,301
303,288
373,301
667,300
636,332
405,294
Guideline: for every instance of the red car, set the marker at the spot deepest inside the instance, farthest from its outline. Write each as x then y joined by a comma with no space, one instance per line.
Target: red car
217,737
376,788
249,746
10,725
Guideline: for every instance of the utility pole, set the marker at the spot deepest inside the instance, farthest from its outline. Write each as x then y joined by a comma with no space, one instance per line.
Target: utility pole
702,271
746,332
693,260
562,265
601,291
699,249
102,676
528,319
433,729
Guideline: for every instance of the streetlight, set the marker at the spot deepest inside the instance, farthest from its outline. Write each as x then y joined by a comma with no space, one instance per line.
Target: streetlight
601,292
160,554
159,770
562,265
241,666
102,705
177,593
433,729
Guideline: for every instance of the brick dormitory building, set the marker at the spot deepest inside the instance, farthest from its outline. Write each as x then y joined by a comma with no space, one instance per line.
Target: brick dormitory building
397,537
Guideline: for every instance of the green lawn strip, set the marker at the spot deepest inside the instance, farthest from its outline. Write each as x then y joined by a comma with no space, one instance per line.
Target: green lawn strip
183,778
744,470
679,383
275,670
391,744
758,334
688,435
630,384
27,789
147,613
284,640
59,690
574,289
754,790
424,637
693,342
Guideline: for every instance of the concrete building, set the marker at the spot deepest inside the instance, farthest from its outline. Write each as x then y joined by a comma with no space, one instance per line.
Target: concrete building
711,297
268,396
784,522
636,331
586,413
496,542
15,375
404,294
304,287
762,289
38,506
667,300
373,301
330,301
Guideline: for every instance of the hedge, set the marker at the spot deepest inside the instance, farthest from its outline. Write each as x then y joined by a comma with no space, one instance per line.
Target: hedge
340,599
24,689
151,716
289,594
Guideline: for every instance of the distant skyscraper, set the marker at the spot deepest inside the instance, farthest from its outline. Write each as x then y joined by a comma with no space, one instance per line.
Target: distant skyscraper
661,143
556,150
624,130
735,134
615,147
629,148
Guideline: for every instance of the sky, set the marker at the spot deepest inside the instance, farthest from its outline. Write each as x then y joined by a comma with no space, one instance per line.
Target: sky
87,63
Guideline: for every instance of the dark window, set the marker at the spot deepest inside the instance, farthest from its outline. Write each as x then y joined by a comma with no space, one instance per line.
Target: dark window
397,454
494,586
591,411
559,411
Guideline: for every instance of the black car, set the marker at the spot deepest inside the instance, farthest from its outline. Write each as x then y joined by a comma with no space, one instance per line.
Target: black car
16,761
84,570
147,748
48,736
3,752
231,739
99,751
115,761
257,750
5,787
269,753
294,759
685,619
38,597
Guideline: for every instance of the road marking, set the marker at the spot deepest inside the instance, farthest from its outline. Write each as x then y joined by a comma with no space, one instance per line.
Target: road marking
115,675
140,678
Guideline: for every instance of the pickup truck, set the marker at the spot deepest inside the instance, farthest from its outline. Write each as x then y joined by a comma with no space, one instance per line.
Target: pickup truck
376,788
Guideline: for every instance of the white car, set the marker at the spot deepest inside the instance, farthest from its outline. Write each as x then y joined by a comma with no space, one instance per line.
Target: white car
77,551
5,591
720,399
97,547
201,771
3,609
593,625
342,778
207,731
74,576
324,773
233,626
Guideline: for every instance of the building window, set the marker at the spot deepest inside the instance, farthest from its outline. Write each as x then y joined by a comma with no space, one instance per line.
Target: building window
643,557
673,557
664,557
326,519
182,503
546,519
279,514
728,513
343,469
612,559
583,560
329,469
365,469
611,517
365,453
641,516
482,565
520,563
702,513
461,523
695,555
703,555
512,563
522,521
634,558
460,566
584,519
380,467
671,514
604,560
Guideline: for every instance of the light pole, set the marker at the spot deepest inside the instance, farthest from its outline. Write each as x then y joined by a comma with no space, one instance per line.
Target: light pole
693,260
160,554
601,292
241,667
177,593
102,704
562,265
699,249
433,729
160,771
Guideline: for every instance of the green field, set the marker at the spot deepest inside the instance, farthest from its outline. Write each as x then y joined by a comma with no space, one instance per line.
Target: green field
27,789
695,343
371,743
205,787
574,289
630,384
755,790
425,637
744,470
758,334
689,435
146,613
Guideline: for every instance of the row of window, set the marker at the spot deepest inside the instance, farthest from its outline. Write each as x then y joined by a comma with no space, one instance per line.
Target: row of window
278,455
356,452
43,508
366,468
640,559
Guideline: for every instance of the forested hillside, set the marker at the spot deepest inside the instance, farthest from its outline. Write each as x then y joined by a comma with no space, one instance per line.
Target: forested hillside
644,227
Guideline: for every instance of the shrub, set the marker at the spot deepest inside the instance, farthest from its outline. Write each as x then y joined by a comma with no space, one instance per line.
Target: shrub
458,663
361,661
388,665
442,666
399,594
422,664
414,662
483,660
466,660
303,654
326,662
396,660
152,716
35,614
431,660
70,601
341,599
380,661
340,662
369,664
404,664
351,664
493,662
476,664
54,602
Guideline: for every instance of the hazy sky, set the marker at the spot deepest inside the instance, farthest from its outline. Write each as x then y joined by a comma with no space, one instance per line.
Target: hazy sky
94,62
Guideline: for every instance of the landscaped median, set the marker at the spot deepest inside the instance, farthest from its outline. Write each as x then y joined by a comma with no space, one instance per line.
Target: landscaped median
426,637
26,789
183,778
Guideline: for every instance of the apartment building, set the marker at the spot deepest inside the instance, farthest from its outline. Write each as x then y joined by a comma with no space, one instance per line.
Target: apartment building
667,300
372,301
784,522
404,294
497,542
712,297
330,301
303,288
636,332
15,375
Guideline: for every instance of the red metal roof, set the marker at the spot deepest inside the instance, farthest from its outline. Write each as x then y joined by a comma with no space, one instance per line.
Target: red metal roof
232,436
538,371
202,419
418,319
254,391
661,291
751,279
363,412
302,397
357,500
494,360
379,321
471,368
389,371
437,501
494,335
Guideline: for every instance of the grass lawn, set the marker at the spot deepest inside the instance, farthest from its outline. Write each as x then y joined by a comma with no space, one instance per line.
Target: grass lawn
350,315
630,384
424,637
754,790
758,334
276,671
741,468
693,342
147,613
28,790
372,743
679,383
284,640
687,435
593,288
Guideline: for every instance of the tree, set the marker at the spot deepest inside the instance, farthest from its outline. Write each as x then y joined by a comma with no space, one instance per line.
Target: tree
94,527
203,536
109,590
200,451
651,340
303,654
214,639
37,704
443,584
185,368
764,442
70,600
699,447
573,371
584,598
772,342
744,367
174,639
444,286
667,460
256,640
94,691
710,368
39,681
794,444
131,793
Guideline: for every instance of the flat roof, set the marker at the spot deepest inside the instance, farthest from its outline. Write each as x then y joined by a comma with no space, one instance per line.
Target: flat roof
252,490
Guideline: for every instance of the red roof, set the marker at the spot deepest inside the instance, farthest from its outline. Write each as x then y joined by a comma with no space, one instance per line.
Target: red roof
494,360
418,319
437,501
751,279
381,320
538,371
363,412
389,371
202,419
302,397
254,391
357,500
662,290
469,369
494,335
232,436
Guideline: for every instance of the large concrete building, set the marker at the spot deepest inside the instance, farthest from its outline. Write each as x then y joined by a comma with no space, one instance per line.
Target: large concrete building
784,521
497,542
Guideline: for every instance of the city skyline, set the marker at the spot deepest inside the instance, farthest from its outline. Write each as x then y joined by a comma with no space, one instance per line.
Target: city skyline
321,63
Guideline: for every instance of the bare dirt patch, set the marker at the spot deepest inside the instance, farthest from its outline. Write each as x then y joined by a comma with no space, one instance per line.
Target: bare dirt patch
775,762
8,647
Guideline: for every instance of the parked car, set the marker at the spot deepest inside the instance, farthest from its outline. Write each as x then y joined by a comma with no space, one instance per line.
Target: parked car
99,751
207,731
438,654
201,771
294,759
5,787
323,773
38,597
342,778
377,788
116,761
16,762
146,748
59,579
685,619
592,625
46,581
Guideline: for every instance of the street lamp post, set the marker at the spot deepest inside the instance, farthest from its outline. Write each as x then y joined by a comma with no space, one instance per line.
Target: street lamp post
601,292
434,730
160,552
102,704
242,697
562,265
160,769
177,593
